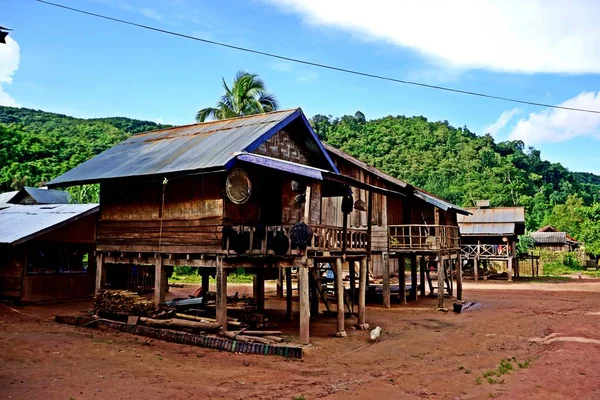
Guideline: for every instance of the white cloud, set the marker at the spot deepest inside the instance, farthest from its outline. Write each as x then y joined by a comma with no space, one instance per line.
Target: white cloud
509,35
9,63
558,125
501,122
152,13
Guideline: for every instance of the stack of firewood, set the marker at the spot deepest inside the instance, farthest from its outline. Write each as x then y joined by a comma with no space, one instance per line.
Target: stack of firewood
122,302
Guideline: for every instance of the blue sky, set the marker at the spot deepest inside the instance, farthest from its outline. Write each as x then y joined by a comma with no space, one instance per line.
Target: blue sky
541,51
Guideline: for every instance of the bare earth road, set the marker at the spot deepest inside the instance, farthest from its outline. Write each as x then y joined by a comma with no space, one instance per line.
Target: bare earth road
422,354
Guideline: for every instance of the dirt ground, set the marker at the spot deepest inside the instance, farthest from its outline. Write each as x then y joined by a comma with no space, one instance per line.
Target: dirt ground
422,354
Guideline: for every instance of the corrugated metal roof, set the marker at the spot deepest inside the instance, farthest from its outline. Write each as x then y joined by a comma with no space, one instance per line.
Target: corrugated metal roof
19,223
552,237
494,229
48,196
281,165
364,166
194,147
439,203
494,215
6,197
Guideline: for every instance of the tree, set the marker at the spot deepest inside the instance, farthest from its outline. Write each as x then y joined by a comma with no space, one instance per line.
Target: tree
247,96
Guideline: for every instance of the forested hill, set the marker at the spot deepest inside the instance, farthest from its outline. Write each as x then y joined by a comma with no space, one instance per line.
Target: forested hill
36,146
458,165
453,163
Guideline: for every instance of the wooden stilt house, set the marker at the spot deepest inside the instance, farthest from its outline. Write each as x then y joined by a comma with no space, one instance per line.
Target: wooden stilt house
407,225
236,193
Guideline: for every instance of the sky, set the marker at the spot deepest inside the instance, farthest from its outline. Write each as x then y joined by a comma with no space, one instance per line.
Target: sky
545,51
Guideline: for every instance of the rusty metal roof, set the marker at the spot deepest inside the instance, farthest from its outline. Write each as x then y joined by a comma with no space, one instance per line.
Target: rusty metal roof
439,203
19,223
552,237
494,215
203,146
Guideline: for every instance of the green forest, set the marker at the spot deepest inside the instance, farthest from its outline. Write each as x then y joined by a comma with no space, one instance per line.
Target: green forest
453,163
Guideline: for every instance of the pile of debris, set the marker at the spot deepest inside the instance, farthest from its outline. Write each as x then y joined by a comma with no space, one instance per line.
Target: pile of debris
122,302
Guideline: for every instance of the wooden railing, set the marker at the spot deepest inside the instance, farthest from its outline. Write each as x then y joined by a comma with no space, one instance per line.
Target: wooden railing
258,240
423,237
484,250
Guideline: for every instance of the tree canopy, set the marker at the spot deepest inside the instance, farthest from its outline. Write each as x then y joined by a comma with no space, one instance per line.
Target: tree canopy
248,95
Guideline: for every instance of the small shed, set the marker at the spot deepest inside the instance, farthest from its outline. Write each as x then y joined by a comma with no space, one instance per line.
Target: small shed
551,239
46,251
491,234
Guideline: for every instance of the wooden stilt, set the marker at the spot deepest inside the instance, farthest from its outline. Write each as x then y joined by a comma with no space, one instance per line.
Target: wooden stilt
476,262
402,279
413,277
440,274
100,272
304,304
221,310
205,282
159,281
314,295
352,269
280,283
459,288
362,294
423,265
339,284
510,268
386,280
288,294
260,288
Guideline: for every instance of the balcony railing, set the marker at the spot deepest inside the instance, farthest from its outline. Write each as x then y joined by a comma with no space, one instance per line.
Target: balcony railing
423,237
484,250
260,240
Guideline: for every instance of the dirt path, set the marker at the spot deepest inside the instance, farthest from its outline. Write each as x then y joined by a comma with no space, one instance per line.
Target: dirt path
422,354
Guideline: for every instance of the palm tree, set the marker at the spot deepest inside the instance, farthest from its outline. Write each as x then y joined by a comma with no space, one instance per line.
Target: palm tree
247,96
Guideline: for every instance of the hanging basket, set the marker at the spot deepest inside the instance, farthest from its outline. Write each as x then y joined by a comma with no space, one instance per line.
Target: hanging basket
301,235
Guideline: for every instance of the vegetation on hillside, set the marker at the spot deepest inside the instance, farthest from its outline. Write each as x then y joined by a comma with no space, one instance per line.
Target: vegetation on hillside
453,163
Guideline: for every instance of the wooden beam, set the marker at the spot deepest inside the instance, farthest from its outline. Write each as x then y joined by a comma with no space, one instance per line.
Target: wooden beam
423,265
362,294
221,310
386,280
279,281
259,288
307,205
369,223
100,272
476,262
304,304
288,293
459,288
413,277
352,270
402,279
159,280
205,282
339,285
440,274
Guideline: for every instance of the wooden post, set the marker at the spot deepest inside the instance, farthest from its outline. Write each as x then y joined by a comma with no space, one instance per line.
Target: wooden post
304,304
221,294
423,265
259,288
205,282
510,268
288,294
314,295
339,284
476,262
362,293
440,273
459,293
100,272
402,279
370,224
280,283
159,289
352,270
307,205
413,277
386,280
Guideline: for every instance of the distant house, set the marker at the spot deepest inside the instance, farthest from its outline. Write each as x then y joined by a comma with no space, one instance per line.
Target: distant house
46,251
30,195
491,234
551,239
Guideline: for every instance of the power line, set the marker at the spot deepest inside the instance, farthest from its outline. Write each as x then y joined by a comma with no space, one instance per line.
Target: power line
314,64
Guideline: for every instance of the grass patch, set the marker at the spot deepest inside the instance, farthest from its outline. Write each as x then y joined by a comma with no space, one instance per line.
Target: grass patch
506,366
190,275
